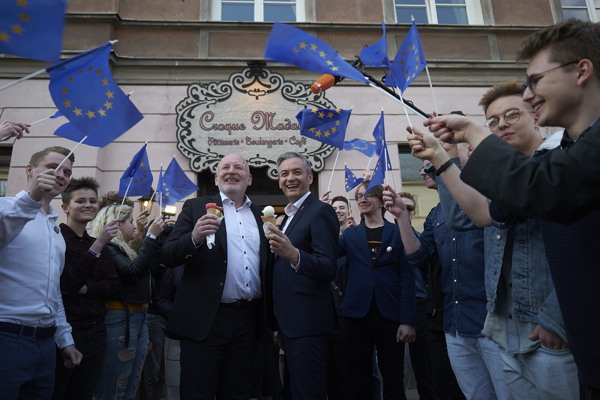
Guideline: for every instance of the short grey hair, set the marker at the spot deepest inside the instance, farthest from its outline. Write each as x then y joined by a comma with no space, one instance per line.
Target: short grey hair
292,154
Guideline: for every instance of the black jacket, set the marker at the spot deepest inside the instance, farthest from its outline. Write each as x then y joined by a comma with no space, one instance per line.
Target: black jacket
135,277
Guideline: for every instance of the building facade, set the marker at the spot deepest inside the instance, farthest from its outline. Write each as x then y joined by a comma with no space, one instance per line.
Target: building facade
172,53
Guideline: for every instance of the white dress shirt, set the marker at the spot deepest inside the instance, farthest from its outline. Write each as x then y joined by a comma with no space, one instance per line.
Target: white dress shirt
290,211
242,281
32,258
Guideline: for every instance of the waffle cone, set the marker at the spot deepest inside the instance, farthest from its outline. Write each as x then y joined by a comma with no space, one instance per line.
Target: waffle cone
269,219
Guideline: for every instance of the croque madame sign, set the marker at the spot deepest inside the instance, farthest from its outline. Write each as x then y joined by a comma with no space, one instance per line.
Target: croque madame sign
252,114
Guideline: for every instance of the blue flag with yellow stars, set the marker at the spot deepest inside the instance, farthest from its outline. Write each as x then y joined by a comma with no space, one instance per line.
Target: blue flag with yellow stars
32,28
325,125
368,149
138,173
410,59
83,90
376,54
378,177
175,185
290,45
380,143
351,180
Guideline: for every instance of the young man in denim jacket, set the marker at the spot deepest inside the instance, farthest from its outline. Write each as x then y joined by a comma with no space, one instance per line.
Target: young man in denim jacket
524,317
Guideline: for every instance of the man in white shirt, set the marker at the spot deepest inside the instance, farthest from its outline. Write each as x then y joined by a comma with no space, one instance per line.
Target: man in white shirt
32,251
217,313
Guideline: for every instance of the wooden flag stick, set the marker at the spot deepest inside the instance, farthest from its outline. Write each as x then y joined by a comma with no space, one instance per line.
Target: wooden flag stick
69,155
431,86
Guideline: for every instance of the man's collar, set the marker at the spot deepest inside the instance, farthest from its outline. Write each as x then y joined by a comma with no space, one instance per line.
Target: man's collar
567,141
297,204
246,199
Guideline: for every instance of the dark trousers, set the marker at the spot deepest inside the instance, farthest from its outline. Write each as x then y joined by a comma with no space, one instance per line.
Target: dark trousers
444,380
588,392
80,382
221,364
362,334
26,367
154,360
338,382
420,358
306,358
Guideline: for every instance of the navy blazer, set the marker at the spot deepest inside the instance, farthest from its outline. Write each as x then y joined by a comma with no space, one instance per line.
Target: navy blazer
302,300
390,277
199,294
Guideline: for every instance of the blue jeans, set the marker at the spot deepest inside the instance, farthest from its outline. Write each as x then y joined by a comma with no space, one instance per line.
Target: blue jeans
123,366
26,367
476,364
541,374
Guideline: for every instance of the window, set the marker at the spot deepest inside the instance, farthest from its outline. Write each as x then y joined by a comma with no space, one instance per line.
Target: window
585,10
258,10
449,12
5,153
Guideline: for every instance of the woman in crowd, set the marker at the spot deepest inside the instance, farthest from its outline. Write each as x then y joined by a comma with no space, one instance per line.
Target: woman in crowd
127,333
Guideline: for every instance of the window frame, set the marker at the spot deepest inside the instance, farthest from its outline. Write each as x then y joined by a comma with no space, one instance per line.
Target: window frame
259,9
473,7
589,6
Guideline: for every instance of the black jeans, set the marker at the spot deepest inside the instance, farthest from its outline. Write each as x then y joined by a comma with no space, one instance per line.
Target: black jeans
79,383
361,335
419,357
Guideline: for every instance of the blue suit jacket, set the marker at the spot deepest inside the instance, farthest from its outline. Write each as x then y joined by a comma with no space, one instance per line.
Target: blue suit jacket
390,278
302,300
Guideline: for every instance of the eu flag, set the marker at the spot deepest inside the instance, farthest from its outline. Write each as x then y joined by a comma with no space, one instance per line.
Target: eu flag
410,59
368,149
32,28
138,173
378,177
175,185
83,89
351,180
293,46
376,54
325,125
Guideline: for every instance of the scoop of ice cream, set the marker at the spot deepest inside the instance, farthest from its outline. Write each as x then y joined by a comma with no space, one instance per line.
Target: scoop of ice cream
268,211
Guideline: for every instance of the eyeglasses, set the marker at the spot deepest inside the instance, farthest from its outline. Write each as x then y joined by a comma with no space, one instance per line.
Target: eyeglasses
532,81
410,208
511,117
368,196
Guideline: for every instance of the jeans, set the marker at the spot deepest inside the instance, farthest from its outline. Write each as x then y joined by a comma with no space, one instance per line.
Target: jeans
123,366
156,373
476,364
172,368
420,358
79,383
541,374
26,367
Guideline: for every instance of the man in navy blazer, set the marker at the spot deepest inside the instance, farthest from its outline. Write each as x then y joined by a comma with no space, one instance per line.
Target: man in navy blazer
303,266
218,308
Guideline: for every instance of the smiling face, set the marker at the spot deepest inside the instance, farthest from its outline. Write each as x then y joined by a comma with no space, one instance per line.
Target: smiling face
51,161
369,205
233,176
522,134
83,206
556,93
341,209
294,181
127,228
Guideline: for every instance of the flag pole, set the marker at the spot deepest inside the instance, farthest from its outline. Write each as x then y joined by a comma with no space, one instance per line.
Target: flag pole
431,86
401,100
331,177
41,71
406,112
69,155
369,164
39,120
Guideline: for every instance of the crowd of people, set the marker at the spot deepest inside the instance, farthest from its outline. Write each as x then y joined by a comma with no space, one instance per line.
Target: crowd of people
494,299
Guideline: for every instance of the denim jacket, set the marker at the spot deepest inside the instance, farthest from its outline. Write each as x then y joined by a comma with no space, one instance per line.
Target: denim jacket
462,258
533,290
